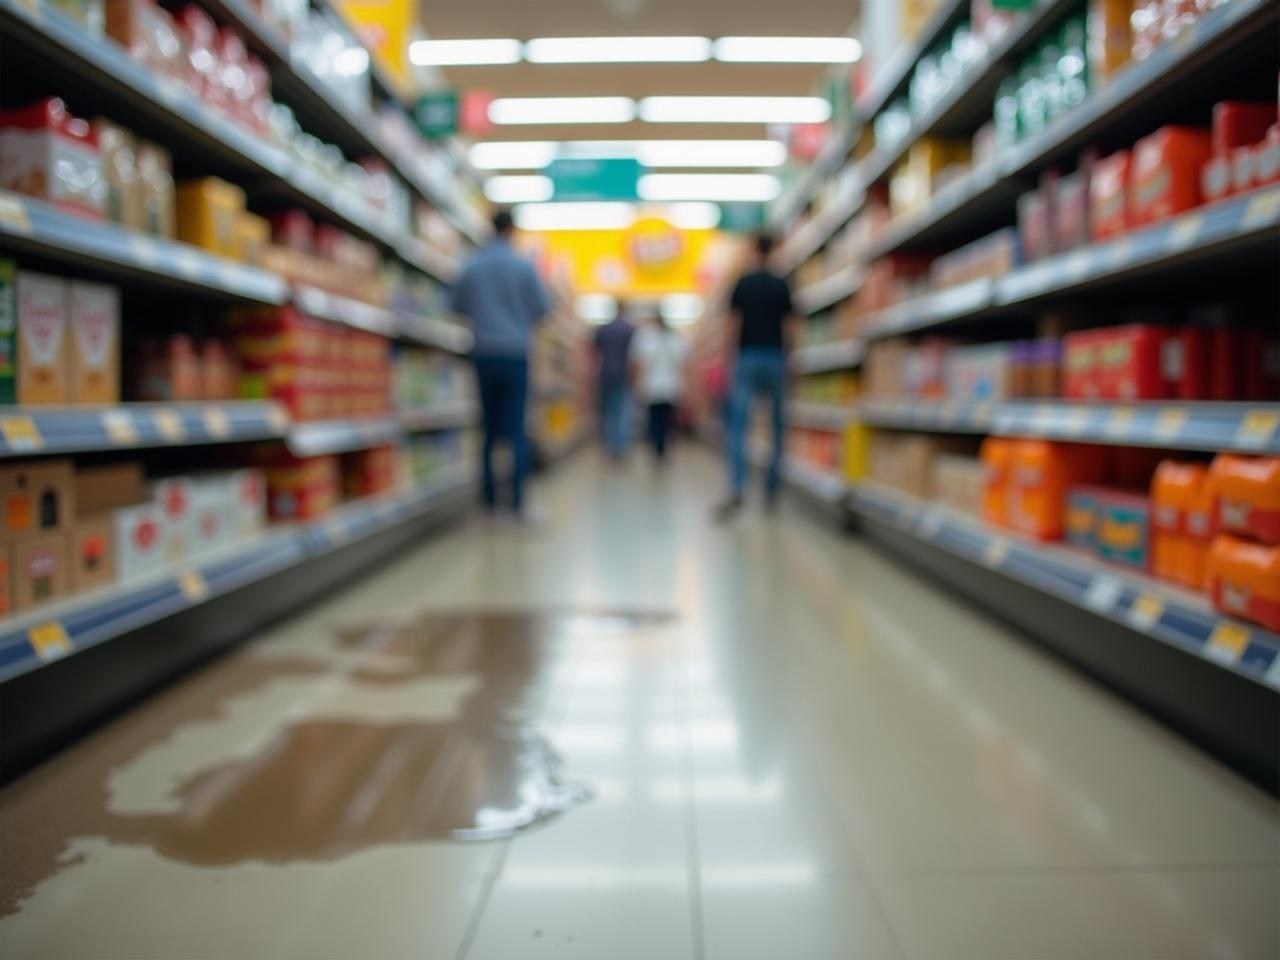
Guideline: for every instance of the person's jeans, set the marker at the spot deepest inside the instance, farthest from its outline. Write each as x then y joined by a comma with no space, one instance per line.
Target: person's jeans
613,416
504,390
760,371
661,416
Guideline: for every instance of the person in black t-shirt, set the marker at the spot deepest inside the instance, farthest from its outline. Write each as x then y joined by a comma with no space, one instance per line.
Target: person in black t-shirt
761,305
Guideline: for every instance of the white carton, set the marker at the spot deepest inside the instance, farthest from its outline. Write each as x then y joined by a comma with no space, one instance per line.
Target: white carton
172,498
139,540
213,509
249,502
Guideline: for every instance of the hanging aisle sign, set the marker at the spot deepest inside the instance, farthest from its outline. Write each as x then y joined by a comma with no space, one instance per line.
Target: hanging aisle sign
587,179
436,114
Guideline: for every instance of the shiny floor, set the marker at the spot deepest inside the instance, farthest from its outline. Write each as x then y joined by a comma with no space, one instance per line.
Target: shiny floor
796,748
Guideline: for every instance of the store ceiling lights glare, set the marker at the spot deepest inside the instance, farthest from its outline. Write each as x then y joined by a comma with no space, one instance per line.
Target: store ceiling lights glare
618,50
596,308
682,309
537,154
788,50
554,110
735,110
464,53
518,155
607,215
722,187
693,215
519,189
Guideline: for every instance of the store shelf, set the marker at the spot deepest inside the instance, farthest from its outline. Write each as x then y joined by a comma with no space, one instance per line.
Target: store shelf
439,417
827,164
31,225
931,309
1130,599
824,357
55,631
844,202
323,305
434,332
826,486
29,431
820,416
829,291
894,77
1239,427
342,436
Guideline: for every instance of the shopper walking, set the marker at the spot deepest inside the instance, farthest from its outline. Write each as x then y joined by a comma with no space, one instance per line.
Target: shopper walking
612,343
761,307
500,294
658,358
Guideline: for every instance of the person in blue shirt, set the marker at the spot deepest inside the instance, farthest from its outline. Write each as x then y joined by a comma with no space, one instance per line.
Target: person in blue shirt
612,343
500,294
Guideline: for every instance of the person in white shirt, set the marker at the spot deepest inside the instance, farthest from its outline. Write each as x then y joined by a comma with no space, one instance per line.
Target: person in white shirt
658,355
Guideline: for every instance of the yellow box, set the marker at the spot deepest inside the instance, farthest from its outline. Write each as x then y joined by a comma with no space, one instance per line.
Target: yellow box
208,211
856,452
250,238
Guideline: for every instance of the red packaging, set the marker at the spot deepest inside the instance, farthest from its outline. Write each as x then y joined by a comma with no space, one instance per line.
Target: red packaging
1215,179
1035,225
1262,367
1266,159
1186,360
302,488
1080,364
1071,212
1109,196
1131,363
293,229
258,78
1226,362
199,38
1164,178
1237,124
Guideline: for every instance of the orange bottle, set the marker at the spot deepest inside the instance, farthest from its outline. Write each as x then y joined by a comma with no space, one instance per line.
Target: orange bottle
1244,580
1042,473
997,465
1248,492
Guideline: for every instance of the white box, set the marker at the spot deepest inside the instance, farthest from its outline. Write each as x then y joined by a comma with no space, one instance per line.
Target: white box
249,502
172,497
95,343
139,540
213,510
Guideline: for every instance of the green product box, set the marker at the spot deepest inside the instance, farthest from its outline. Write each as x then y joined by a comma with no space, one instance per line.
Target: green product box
1073,62
1051,80
1031,112
8,332
1006,112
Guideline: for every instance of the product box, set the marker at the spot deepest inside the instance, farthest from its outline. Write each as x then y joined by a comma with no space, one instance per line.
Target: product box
172,497
93,554
1164,179
1131,363
1124,528
1110,37
48,154
148,35
138,534
1109,211
1244,580
1041,474
6,580
250,237
218,372
958,482
302,488
249,495
213,510
41,570
37,497
103,489
1248,495
8,332
209,210
95,343
43,347
1082,518
1240,124
155,179
1035,225
168,371
119,150
1266,158
1070,227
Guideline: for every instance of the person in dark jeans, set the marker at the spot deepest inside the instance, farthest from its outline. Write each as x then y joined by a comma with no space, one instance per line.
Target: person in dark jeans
658,358
500,294
761,306
612,342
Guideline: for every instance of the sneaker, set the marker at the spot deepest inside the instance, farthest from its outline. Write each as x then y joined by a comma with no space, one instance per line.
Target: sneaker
726,511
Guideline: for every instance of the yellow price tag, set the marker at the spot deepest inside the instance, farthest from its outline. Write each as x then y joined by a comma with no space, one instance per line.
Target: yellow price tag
337,532
120,428
144,250
1120,251
1184,232
277,419
1146,611
1228,642
1120,422
996,552
21,433
1262,210
1170,423
1257,428
216,422
13,213
49,641
1074,421
169,425
1078,264
194,586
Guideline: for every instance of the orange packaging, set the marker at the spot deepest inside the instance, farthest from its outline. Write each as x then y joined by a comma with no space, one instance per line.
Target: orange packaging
302,488
6,581
1164,178
1110,37
1182,522
1248,495
1042,473
997,466
1109,196
1244,580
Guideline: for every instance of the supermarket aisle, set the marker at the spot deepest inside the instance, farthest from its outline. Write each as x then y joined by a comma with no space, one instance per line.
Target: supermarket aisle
796,748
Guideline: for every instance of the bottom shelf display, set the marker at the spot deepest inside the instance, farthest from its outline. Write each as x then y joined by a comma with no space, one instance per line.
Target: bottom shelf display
1170,615
59,629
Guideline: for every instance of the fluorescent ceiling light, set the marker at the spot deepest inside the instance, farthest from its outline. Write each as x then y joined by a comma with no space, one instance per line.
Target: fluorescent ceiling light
518,155
682,309
463,53
693,216
788,50
536,154
533,189
759,187
596,307
735,110
575,216
618,50
530,110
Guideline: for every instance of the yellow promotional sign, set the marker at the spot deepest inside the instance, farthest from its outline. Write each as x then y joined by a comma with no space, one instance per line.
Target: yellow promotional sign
649,259
385,27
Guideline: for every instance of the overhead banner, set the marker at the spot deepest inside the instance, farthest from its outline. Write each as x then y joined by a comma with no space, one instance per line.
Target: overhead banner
385,27
590,179
437,114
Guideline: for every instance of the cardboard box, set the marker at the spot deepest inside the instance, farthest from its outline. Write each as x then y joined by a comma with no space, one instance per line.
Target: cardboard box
93,552
36,498
249,494
42,339
172,497
6,580
209,210
155,175
8,331
213,509
40,570
138,535
120,172
95,343
102,489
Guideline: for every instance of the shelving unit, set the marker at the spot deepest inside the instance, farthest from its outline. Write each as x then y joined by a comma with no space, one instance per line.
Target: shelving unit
823,357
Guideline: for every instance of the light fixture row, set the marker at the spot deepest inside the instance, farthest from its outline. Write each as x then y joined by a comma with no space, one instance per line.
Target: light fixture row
536,111
538,154
653,187
613,215
561,50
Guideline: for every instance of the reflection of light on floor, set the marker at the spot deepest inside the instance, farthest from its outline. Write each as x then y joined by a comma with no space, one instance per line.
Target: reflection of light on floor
599,876
583,738
713,735
726,791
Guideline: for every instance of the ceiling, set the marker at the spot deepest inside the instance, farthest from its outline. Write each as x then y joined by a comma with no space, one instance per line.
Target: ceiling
525,19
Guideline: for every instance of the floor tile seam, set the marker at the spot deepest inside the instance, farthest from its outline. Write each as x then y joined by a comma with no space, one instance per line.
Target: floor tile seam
693,843
483,899
1064,870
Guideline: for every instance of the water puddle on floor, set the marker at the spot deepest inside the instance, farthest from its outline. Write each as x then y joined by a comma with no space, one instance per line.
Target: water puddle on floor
397,733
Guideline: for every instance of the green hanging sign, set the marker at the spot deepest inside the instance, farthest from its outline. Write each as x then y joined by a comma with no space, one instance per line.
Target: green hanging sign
598,178
436,114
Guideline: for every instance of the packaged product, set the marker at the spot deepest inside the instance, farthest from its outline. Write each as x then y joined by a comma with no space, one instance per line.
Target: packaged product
201,68
1177,15
1146,25
1081,528
1006,128
208,212
155,175
1182,520
218,372
106,488
1081,364
1124,528
93,560
42,339
1110,37
1247,490
38,497
172,497
41,571
958,482
302,488
1240,124
167,370
1046,367
124,202
1035,225
248,488
1132,363
997,457
1070,204
138,534
49,154
1033,114
94,343
1266,158
250,237
367,473
213,508
1165,175
1109,200
90,14
8,332
1041,474
1244,580
148,34
6,580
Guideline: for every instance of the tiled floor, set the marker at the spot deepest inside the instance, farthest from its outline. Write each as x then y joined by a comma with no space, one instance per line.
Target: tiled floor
798,750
